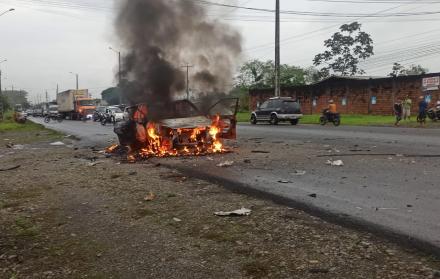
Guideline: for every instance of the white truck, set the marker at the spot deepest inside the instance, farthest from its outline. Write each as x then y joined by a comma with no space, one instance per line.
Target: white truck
76,104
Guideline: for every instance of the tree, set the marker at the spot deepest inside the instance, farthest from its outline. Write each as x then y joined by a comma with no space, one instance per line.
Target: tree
111,95
12,98
259,74
400,70
345,49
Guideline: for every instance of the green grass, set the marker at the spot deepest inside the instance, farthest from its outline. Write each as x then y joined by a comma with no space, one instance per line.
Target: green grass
346,119
8,124
27,132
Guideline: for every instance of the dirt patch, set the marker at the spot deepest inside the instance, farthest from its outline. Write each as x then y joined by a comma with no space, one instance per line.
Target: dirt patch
62,217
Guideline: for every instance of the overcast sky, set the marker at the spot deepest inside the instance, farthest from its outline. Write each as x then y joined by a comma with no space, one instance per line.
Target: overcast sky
45,40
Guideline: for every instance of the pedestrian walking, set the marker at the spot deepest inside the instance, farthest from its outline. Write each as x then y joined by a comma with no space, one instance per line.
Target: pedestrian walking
407,104
398,110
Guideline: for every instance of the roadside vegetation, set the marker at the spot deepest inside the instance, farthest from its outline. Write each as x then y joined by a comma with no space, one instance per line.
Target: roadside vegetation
25,133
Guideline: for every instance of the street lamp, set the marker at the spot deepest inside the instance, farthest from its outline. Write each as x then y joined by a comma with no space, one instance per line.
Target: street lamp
5,12
77,77
119,73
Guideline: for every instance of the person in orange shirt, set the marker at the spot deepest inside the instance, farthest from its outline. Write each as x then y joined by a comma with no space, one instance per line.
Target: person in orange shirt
332,107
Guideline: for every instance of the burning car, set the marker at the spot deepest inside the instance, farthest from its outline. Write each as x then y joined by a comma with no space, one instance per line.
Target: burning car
182,130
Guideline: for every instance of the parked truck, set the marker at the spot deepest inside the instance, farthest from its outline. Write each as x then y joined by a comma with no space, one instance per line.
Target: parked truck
75,104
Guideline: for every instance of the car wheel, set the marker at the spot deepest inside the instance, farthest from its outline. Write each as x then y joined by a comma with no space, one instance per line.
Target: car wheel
274,119
294,121
253,120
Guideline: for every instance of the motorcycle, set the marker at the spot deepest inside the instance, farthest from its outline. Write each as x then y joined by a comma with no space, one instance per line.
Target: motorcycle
107,118
54,117
433,114
326,117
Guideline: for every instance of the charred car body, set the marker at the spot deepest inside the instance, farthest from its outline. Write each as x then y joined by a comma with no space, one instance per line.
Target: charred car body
182,130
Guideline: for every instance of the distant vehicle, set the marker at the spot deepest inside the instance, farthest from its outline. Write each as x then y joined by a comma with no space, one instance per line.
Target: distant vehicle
76,104
116,113
53,110
278,109
98,114
112,114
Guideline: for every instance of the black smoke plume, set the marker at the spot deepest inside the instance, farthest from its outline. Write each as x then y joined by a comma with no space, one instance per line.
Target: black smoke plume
161,36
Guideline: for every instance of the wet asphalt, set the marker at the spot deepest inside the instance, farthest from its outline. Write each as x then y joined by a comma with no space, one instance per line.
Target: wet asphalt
390,176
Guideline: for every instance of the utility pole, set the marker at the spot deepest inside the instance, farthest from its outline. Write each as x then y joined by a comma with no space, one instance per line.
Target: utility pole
187,66
119,73
57,89
47,98
277,50
77,78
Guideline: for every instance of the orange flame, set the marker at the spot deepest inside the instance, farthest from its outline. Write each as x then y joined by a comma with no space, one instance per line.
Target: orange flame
180,142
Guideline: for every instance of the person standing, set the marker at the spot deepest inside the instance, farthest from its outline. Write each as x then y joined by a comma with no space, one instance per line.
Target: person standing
407,104
423,107
398,110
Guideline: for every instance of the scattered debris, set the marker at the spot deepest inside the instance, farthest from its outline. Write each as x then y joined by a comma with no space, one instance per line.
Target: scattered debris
409,205
11,168
57,143
260,151
225,164
14,146
150,197
247,161
210,158
299,172
176,219
284,181
92,164
337,163
239,212
313,196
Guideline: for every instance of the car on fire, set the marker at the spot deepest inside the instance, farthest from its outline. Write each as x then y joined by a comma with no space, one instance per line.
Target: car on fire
183,128
278,109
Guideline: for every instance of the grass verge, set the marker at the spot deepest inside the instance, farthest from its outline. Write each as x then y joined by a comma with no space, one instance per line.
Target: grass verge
27,132
351,120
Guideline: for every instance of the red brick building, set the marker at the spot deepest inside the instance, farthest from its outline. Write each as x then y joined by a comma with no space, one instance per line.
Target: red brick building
358,95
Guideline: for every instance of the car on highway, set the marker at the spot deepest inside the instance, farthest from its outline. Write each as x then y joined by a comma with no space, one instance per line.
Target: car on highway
278,109
116,113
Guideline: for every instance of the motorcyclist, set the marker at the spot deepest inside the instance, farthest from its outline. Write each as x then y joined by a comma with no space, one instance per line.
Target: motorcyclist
331,110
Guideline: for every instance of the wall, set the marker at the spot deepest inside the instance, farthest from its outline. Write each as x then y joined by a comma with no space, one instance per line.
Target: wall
356,92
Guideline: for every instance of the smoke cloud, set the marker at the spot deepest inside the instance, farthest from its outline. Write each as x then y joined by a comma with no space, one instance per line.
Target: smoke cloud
161,36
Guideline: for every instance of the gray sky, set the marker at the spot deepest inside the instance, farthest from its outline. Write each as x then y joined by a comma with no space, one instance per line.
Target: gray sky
45,40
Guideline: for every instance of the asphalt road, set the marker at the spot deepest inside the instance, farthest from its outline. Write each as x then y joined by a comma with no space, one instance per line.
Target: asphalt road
387,179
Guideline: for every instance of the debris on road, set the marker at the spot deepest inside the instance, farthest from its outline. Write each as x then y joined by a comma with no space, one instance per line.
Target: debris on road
336,163
14,146
299,172
284,181
150,197
11,168
247,161
313,196
58,143
225,164
176,219
260,151
239,212
92,164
